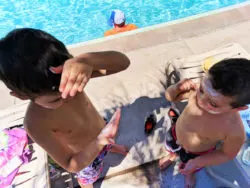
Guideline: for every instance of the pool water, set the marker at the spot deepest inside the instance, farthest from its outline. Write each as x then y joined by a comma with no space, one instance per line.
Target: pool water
74,21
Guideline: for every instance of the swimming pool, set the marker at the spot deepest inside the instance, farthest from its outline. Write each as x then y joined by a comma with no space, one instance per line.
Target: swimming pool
74,21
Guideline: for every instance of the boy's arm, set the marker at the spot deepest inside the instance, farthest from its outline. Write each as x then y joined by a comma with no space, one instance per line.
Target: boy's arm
180,90
104,63
78,70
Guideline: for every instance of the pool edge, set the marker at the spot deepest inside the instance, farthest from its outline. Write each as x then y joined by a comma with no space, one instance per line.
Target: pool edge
149,28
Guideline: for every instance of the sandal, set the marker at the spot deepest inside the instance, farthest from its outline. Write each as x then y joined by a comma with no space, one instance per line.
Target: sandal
173,115
150,124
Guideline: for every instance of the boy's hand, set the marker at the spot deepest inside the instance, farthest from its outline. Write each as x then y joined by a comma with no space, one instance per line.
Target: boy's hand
103,141
189,167
108,133
75,75
104,138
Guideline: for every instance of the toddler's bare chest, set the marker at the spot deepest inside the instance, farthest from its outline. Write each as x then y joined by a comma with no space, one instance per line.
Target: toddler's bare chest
199,127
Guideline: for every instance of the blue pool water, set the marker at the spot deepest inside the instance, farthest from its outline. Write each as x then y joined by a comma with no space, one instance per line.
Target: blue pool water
74,21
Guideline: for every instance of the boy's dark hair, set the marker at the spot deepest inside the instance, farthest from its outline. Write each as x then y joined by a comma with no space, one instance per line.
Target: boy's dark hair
231,77
25,57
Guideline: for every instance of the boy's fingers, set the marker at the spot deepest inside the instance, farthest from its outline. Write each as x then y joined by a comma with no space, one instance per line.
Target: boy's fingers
80,88
83,84
64,79
63,83
110,141
189,85
76,86
193,85
116,117
85,80
73,91
106,141
184,86
69,85
65,93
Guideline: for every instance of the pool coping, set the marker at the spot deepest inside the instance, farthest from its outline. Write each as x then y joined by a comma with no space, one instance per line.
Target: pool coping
157,26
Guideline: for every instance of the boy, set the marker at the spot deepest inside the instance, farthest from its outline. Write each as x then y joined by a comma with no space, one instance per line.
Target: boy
211,116
68,128
118,21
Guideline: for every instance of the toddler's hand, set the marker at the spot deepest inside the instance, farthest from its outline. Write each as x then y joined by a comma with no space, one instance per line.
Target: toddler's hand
189,167
186,85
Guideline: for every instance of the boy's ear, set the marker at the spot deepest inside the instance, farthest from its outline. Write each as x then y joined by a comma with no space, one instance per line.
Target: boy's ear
242,108
12,93
56,70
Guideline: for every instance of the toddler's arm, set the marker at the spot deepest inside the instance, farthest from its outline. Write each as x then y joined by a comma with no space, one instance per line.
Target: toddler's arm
180,90
229,150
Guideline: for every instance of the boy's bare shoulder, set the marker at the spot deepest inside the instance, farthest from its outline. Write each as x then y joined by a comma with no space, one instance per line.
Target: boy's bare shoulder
235,126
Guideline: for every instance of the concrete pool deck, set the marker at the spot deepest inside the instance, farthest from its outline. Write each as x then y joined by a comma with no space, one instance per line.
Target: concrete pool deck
161,43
